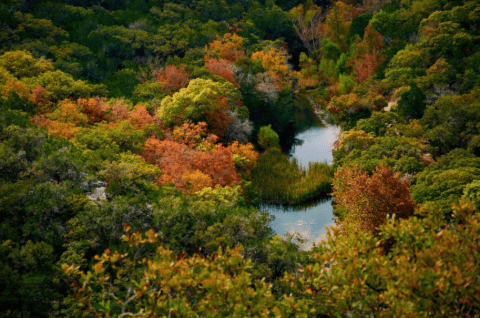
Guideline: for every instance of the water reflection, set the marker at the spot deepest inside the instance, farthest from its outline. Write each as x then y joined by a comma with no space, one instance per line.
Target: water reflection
310,219
310,222
316,145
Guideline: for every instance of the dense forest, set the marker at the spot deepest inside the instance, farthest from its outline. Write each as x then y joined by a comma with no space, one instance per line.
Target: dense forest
137,138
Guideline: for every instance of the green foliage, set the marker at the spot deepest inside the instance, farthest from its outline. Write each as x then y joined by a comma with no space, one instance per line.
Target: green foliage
419,266
379,123
411,104
453,122
402,153
130,175
444,181
22,64
121,83
108,141
268,138
340,67
61,85
221,285
345,83
358,25
330,50
280,180
192,102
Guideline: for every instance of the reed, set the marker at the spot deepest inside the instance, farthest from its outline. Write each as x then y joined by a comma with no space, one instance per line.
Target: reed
280,180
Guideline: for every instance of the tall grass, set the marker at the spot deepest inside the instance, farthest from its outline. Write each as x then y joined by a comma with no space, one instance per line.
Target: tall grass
280,180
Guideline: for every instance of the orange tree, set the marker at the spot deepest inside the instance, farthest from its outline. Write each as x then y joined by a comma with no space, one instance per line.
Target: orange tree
368,200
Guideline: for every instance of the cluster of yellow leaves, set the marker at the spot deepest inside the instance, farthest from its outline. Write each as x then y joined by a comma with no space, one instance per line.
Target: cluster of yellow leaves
274,60
162,284
244,156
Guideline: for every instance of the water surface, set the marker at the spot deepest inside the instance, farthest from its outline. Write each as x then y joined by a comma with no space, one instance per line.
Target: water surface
309,222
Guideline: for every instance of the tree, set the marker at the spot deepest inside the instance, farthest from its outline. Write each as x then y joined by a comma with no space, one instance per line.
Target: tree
419,266
268,138
172,78
445,180
269,86
230,48
203,100
274,60
349,108
223,68
22,64
368,200
412,103
130,175
337,23
145,278
308,21
367,57
178,162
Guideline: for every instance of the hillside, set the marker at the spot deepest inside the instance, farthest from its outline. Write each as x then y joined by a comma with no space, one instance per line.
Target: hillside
138,137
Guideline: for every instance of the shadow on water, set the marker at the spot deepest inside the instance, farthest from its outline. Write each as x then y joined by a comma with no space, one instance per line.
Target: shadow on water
297,207
305,119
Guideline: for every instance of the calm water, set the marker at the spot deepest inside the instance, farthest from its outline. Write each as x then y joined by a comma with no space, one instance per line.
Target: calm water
309,222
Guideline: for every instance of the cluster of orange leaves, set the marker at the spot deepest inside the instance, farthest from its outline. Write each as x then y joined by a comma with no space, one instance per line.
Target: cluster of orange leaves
38,96
229,48
220,55
70,116
188,168
367,58
369,199
223,68
172,78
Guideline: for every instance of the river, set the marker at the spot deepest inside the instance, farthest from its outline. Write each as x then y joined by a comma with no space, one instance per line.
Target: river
309,222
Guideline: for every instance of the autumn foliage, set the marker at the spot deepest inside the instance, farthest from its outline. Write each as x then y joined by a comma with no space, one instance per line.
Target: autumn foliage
94,108
172,78
139,117
367,57
187,167
229,48
274,60
368,200
222,68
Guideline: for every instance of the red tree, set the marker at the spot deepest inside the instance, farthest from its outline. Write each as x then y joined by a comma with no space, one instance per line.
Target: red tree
368,200
172,78
179,162
367,57
222,68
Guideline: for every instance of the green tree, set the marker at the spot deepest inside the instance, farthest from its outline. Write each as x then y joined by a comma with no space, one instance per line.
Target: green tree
412,103
421,266
268,138
203,100
145,278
